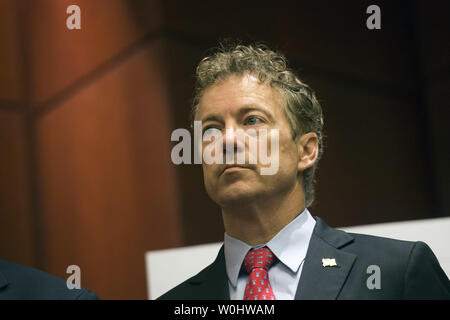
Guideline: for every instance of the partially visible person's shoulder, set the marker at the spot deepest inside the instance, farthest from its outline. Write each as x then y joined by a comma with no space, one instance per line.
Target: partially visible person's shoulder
388,245
361,244
386,251
406,269
18,282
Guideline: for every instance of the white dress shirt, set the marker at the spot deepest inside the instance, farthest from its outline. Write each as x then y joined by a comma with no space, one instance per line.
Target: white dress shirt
289,246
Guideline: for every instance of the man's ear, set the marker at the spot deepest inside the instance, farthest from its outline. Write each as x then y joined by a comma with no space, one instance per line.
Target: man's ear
308,150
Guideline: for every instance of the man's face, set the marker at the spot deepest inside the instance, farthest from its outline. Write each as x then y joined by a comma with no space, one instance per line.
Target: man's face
242,102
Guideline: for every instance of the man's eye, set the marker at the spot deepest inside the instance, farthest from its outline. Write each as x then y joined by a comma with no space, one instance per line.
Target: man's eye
209,130
205,129
253,120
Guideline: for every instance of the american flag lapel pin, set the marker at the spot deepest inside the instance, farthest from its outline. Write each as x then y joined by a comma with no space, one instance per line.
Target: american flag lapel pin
329,262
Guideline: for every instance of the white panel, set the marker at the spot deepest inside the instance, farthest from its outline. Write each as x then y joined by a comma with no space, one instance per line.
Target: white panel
168,268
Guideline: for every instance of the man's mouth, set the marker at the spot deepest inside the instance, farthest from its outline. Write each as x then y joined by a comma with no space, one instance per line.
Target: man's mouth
232,167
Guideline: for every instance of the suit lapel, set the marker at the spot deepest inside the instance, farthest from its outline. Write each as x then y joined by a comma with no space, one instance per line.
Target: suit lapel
212,283
317,281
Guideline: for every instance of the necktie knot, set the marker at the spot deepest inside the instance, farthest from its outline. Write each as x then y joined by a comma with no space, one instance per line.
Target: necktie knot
258,258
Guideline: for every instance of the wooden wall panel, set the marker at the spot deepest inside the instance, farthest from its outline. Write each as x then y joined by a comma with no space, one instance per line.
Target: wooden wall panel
372,169
331,36
433,25
439,112
108,190
60,56
10,52
16,220
201,217
433,28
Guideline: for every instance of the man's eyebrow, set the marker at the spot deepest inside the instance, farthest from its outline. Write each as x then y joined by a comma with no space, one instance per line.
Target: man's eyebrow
243,110
211,117
250,108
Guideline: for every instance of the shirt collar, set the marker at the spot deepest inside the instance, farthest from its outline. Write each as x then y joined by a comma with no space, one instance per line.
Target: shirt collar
289,246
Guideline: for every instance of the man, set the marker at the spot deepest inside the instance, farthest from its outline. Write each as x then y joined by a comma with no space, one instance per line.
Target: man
273,247
18,282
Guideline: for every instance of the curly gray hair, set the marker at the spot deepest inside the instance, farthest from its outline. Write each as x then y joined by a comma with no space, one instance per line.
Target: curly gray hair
301,107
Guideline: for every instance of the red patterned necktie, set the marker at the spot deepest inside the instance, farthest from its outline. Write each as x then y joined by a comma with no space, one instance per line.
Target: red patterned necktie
257,263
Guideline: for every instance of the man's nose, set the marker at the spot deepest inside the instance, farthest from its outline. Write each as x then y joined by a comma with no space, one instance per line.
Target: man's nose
231,141
229,137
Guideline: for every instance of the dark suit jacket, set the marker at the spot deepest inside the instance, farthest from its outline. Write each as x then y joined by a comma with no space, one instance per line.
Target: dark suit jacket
408,270
18,282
